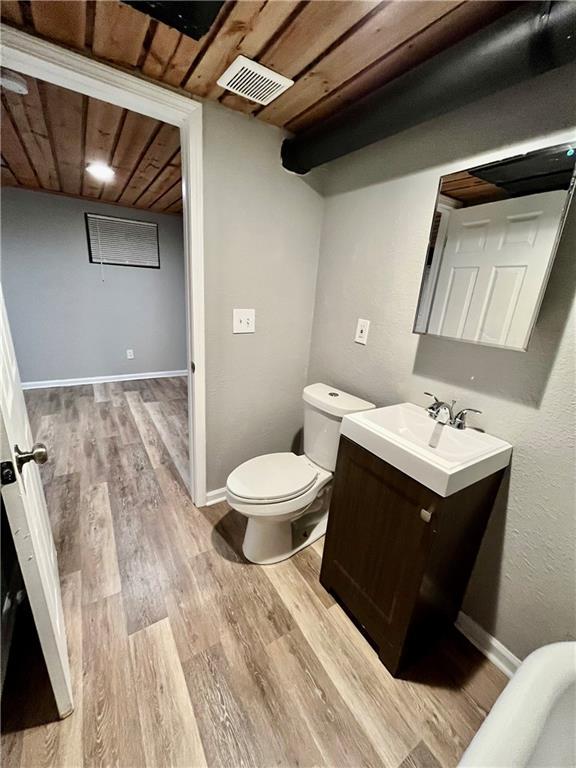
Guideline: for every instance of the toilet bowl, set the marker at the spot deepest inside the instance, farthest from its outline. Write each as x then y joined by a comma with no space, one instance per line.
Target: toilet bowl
286,496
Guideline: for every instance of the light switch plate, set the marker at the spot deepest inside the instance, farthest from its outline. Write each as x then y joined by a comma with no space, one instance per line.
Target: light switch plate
362,328
243,320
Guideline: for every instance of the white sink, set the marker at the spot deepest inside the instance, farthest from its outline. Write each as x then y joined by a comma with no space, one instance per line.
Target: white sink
440,457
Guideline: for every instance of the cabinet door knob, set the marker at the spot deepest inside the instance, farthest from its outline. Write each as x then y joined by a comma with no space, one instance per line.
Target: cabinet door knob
426,515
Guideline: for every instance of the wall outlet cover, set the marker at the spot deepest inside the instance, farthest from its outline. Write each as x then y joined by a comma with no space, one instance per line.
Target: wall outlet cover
243,320
130,354
362,328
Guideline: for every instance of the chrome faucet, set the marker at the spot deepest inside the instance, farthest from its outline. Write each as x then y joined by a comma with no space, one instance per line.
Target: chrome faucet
443,412
440,411
460,418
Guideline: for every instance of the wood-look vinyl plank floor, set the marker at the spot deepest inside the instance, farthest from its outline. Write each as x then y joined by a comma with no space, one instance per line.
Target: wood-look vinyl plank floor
184,654
225,725
63,497
351,665
60,742
339,738
112,732
169,729
99,561
256,681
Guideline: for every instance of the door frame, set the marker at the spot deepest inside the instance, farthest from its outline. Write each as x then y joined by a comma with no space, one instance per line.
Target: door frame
37,58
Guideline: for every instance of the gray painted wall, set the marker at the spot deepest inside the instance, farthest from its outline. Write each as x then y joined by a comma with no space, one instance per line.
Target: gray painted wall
376,225
65,321
262,234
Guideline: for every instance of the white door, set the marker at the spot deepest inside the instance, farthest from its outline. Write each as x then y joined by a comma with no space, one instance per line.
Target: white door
28,518
495,263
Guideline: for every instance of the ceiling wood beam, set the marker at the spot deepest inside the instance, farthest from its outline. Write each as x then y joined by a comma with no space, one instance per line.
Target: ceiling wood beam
337,51
63,21
454,26
166,179
271,18
51,134
392,25
161,51
317,27
214,58
119,32
14,153
179,65
174,208
135,137
173,195
65,110
12,13
8,178
103,122
30,123
165,145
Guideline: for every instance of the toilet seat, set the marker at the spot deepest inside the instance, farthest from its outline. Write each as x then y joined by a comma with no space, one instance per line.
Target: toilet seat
272,478
286,497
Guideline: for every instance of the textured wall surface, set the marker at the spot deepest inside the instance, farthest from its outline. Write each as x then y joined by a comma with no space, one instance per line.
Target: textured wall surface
262,242
66,322
378,213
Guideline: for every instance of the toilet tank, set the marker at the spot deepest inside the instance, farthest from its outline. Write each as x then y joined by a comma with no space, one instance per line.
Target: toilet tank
324,408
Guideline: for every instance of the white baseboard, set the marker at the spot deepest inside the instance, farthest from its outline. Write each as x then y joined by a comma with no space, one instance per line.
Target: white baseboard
215,497
101,379
493,649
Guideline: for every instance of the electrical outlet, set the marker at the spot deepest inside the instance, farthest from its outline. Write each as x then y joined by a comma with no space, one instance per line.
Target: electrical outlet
243,320
362,328
130,354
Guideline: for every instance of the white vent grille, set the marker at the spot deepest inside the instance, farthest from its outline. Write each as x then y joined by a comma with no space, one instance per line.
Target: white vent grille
253,81
123,242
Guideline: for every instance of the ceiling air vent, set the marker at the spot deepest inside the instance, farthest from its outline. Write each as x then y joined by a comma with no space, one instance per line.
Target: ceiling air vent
253,81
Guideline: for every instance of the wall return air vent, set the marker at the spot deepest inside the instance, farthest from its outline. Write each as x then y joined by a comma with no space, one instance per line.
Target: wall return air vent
253,81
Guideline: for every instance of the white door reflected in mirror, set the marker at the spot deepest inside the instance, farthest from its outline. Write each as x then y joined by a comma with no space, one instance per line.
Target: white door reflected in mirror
492,245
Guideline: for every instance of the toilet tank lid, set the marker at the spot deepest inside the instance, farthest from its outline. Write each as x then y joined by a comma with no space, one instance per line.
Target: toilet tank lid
334,401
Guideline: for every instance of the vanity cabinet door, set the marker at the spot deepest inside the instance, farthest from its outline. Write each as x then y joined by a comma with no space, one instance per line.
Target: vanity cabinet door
380,530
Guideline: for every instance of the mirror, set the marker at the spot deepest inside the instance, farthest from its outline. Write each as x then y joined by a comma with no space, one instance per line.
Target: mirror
492,244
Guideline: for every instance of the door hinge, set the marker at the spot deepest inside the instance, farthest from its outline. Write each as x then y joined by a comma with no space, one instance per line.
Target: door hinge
8,473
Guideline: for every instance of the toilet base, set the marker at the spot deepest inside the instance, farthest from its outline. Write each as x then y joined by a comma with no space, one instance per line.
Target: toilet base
266,543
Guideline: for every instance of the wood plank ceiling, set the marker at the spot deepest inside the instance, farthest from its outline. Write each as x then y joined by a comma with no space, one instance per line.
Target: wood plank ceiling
50,135
336,50
470,190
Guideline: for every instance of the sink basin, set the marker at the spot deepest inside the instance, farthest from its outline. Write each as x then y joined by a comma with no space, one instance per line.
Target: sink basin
440,457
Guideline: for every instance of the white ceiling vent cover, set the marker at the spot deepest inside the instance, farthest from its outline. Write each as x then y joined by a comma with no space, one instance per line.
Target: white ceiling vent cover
253,81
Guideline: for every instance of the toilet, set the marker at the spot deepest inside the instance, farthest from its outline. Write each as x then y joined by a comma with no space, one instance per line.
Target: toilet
285,496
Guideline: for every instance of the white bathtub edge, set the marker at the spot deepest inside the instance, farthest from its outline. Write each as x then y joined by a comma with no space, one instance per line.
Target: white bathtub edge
493,649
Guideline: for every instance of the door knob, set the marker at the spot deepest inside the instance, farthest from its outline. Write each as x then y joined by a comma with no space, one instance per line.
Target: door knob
39,454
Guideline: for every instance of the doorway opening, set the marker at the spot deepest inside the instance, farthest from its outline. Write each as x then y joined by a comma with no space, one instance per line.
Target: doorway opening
93,252
55,66
127,227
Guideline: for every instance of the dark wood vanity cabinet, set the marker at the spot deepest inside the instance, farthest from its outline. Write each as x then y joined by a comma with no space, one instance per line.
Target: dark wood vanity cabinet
398,556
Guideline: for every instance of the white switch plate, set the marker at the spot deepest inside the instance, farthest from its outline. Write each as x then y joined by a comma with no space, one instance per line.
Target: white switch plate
243,320
362,328
130,354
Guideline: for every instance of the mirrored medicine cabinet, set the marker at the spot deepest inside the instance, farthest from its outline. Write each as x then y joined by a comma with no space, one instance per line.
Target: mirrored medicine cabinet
492,243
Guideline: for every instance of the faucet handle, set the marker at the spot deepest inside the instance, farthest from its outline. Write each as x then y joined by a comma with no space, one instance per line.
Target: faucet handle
460,418
432,409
